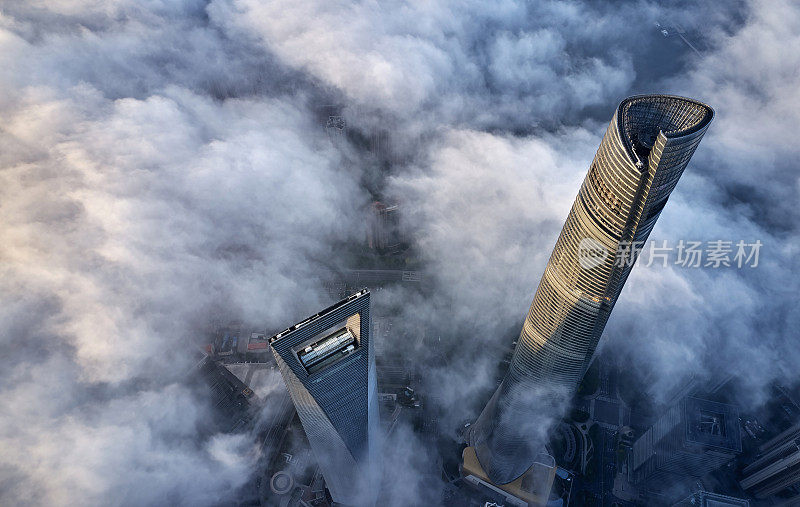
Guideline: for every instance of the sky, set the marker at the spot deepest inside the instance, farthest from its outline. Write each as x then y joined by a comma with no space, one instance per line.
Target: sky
162,165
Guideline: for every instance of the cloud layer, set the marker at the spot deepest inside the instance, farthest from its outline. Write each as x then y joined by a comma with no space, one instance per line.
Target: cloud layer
163,165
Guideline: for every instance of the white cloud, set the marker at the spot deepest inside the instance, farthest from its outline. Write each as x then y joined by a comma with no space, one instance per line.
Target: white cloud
161,166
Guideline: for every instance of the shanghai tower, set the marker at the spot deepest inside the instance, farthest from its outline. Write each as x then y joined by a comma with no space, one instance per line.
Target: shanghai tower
641,157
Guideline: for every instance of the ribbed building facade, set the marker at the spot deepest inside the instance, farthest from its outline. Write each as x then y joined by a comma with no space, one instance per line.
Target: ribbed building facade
777,468
328,365
641,157
707,499
692,438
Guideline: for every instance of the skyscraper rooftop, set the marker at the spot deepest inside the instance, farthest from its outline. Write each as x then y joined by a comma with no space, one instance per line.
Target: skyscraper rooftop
690,439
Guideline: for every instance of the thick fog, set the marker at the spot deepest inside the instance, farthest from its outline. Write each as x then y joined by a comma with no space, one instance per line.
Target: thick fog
163,165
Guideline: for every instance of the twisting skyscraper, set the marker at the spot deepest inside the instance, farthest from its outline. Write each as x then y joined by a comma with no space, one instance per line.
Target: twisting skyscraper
328,365
641,157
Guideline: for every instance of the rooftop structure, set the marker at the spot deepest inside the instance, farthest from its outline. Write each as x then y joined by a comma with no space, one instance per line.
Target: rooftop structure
692,438
383,227
706,499
230,397
777,467
258,344
226,341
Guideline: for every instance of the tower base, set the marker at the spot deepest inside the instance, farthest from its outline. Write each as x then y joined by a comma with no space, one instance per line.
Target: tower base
532,488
